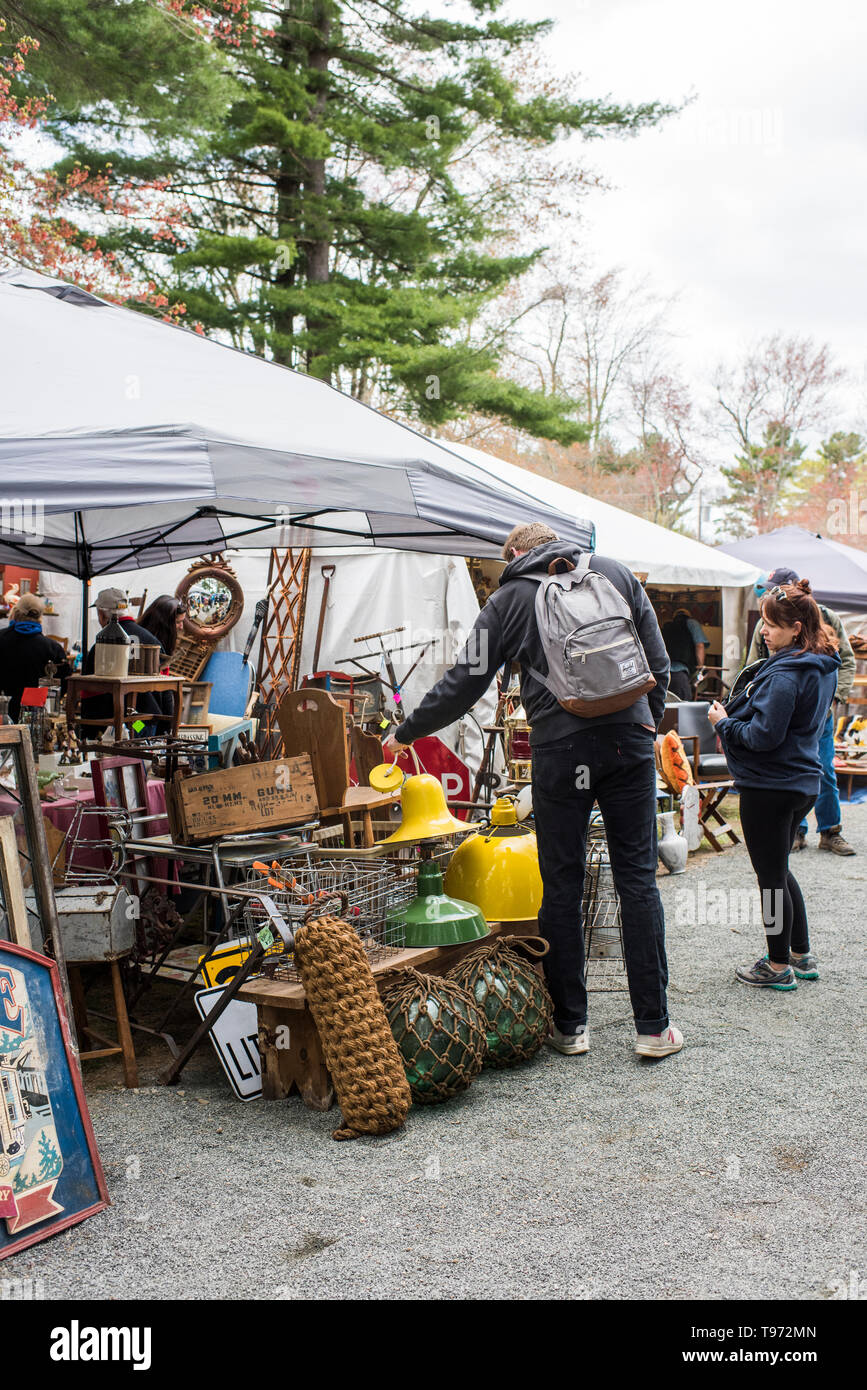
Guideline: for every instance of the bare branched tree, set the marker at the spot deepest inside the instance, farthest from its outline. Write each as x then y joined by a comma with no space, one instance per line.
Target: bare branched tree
782,388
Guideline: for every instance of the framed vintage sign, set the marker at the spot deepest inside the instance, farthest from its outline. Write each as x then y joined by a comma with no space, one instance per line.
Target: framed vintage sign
50,1173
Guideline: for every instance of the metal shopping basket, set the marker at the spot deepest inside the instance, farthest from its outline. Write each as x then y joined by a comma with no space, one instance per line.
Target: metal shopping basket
374,889
604,962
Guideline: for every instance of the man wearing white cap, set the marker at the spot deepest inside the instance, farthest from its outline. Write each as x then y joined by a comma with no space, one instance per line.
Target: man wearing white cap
113,603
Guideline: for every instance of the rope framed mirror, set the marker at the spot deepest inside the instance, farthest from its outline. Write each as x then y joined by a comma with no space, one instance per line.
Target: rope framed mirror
213,597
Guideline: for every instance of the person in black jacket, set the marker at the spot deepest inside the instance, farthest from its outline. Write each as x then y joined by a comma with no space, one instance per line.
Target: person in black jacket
576,762
25,652
770,730
112,603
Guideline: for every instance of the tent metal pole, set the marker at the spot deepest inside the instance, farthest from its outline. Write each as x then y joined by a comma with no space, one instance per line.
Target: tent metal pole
85,583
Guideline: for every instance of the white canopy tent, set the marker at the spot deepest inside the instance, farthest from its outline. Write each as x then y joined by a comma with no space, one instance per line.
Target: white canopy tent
667,557
126,442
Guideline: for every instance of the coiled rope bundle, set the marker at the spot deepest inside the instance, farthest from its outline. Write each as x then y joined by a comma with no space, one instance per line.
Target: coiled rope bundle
360,1052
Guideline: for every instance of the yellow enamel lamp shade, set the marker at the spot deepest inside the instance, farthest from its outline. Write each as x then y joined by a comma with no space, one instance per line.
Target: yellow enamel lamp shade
425,813
498,869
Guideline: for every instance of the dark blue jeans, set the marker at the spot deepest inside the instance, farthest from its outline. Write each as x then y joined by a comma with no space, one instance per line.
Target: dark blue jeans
828,814
611,764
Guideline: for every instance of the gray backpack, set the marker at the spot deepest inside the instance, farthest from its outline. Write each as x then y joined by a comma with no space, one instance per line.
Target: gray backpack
596,663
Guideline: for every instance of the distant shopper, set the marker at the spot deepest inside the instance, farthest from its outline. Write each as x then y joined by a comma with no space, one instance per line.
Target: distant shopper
770,730
165,619
113,603
25,652
829,817
686,643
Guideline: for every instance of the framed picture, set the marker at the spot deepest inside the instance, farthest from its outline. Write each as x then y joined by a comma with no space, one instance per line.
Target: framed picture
50,1173
19,798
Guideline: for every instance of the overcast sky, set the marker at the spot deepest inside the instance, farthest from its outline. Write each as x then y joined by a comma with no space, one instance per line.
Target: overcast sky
750,204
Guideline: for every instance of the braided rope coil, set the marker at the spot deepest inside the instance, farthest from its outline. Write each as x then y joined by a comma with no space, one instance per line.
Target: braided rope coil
360,1051
440,1031
510,991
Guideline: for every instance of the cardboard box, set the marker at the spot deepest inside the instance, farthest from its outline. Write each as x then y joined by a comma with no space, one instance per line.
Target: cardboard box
242,800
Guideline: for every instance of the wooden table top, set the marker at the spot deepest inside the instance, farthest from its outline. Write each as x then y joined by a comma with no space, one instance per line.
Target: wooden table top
126,682
286,995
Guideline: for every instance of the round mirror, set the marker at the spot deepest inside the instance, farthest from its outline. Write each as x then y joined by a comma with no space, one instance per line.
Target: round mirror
214,602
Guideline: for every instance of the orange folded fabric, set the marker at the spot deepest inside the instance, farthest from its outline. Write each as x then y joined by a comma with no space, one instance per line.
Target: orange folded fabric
676,768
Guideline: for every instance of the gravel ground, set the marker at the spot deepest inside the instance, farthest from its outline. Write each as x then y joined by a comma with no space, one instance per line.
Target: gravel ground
733,1170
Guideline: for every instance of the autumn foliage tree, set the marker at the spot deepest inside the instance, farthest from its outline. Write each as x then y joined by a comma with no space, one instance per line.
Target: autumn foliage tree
780,390
828,493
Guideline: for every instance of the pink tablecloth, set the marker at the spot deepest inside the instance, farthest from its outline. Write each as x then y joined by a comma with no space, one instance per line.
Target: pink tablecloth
60,812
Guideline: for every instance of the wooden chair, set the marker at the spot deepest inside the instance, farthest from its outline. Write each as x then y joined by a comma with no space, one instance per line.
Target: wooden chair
312,722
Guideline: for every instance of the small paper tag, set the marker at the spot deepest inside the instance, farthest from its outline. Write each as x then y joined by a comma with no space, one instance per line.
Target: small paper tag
265,937
138,726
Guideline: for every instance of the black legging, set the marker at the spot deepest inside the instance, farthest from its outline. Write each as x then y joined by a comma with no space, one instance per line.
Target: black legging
770,820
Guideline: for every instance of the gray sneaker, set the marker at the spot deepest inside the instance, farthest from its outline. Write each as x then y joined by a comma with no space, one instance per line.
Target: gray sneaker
569,1043
805,967
762,974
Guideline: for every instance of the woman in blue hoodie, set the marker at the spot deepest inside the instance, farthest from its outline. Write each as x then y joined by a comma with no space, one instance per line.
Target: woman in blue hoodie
770,731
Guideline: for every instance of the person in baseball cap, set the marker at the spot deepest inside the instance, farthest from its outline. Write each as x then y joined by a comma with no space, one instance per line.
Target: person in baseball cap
110,601
781,575
829,817
113,603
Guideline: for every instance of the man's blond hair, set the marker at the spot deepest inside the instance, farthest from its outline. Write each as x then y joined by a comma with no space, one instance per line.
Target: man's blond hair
526,536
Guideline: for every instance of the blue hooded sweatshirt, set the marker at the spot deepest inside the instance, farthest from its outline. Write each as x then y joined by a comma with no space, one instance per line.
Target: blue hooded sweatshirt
772,726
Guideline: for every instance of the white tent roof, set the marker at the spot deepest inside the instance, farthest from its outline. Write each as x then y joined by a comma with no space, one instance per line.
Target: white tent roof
141,443
666,556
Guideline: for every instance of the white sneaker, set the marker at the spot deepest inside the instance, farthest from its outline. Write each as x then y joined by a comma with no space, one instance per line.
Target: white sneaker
569,1043
659,1044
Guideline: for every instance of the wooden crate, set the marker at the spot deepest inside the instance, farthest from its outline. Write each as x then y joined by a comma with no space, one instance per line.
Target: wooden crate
241,800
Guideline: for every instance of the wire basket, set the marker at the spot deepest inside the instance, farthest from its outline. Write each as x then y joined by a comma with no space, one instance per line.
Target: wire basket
374,889
604,962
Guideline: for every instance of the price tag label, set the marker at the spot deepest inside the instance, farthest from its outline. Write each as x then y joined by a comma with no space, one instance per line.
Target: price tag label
265,938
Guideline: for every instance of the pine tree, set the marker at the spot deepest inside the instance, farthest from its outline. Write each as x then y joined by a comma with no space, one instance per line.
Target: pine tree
758,480
328,220
826,492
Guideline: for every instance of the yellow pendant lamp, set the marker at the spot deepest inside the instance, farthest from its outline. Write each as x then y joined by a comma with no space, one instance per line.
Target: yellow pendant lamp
498,869
425,813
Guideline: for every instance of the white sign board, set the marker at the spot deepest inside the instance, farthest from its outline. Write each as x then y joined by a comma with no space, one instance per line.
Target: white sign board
235,1037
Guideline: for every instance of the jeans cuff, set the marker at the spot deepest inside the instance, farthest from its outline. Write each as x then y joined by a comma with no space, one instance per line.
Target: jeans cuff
651,1025
571,1027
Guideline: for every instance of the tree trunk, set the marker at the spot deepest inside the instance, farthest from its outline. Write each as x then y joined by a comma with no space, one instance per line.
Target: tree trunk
318,233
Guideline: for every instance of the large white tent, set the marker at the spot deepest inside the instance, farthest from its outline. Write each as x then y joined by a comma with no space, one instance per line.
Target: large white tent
135,442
